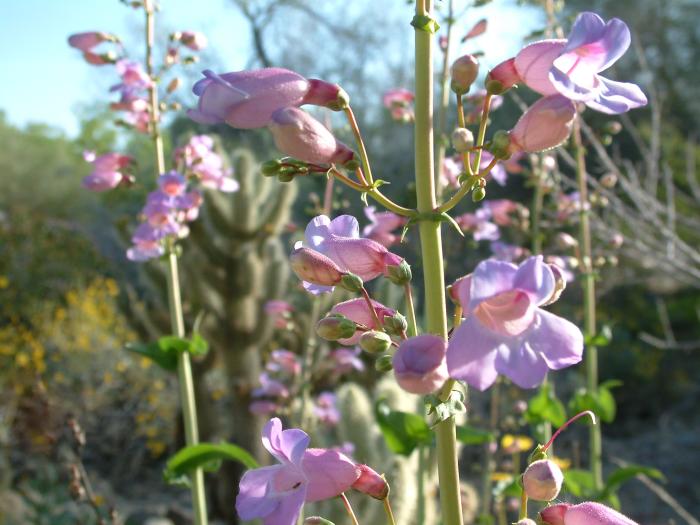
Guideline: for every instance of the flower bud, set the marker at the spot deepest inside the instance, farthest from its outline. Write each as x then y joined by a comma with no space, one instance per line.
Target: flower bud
86,41
526,521
314,267
299,135
502,77
399,274
335,327
358,311
462,140
383,363
500,145
271,167
351,282
478,194
395,325
545,125
419,364
609,180
542,480
554,514
613,127
464,71
194,40
459,290
371,483
375,342
564,240
328,95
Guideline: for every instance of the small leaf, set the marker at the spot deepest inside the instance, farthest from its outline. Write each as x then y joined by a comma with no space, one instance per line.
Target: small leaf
624,474
402,431
198,345
207,456
602,338
164,357
474,436
544,406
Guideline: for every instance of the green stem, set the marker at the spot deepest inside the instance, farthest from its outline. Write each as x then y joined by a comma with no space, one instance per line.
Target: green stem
422,467
364,158
589,302
466,187
390,513
184,366
523,506
431,252
365,295
348,508
412,323
374,193
482,130
444,100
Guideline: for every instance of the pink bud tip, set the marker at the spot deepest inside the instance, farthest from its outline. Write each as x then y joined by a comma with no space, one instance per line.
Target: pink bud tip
502,77
542,480
371,483
301,136
554,515
315,268
545,125
464,71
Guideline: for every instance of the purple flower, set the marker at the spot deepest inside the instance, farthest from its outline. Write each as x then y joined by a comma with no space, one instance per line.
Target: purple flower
201,161
382,226
357,310
479,225
544,125
340,241
147,243
587,513
325,409
345,360
399,102
277,493
570,67
505,331
284,361
270,388
107,171
419,364
247,99
507,252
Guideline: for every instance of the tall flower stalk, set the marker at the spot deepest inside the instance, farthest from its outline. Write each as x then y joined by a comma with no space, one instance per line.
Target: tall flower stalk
431,252
184,366
589,301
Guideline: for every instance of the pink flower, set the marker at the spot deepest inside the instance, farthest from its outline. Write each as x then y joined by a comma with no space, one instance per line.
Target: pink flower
319,273
172,184
345,360
107,172
452,168
507,252
263,407
501,210
463,73
270,387
545,125
399,102
147,244
419,364
503,77
357,310
194,40
200,159
588,513
284,361
505,331
86,41
570,67
542,480
371,483
325,409
382,226
97,59
277,493
299,135
133,74
247,99
340,240
479,225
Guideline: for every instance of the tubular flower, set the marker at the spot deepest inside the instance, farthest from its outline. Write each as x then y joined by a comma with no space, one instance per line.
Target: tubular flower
339,239
107,171
570,67
301,136
505,330
247,99
382,226
277,493
419,364
587,513
545,125
357,310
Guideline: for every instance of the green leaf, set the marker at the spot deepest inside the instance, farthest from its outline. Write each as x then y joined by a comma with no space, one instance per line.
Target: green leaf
166,358
579,482
198,345
544,406
624,474
508,487
474,436
601,402
402,431
204,455
602,338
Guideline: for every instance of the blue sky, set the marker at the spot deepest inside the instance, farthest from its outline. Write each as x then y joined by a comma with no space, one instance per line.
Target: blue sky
46,81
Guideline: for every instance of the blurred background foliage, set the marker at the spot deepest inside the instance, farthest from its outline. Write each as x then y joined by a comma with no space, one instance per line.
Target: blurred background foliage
69,300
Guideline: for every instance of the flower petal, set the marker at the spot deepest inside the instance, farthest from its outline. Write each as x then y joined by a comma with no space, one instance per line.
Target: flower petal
287,446
490,278
586,29
536,278
617,97
345,226
560,342
534,61
330,473
471,353
317,231
521,364
288,508
252,500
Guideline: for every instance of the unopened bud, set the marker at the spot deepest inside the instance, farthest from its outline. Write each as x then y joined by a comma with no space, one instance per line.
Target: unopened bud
375,342
384,363
542,480
173,85
502,77
315,268
399,274
500,145
351,283
478,194
609,180
371,483
565,241
395,325
554,514
335,327
285,177
271,167
464,71
613,127
331,96
462,140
